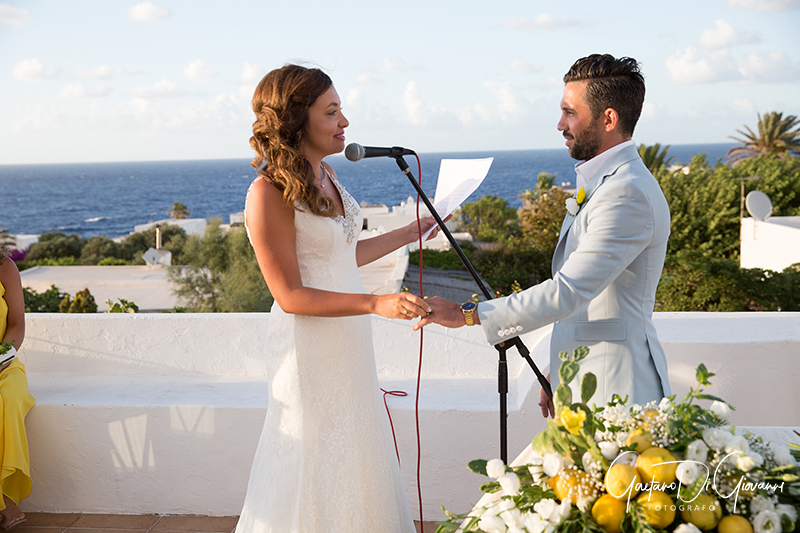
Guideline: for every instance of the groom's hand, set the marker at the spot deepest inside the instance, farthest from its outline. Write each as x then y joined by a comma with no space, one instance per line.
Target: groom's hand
444,312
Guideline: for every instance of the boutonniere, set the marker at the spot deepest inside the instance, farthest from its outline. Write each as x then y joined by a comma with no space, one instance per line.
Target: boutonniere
574,204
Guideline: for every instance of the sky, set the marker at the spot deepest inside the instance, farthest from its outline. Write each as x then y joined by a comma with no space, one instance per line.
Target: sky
113,80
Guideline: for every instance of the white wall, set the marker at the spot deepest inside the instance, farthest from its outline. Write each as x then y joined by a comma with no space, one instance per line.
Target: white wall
161,413
772,244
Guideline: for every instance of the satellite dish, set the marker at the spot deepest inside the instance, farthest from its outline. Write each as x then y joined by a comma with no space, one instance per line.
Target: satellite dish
758,205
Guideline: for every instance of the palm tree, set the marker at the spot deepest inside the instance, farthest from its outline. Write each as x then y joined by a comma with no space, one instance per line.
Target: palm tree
653,156
776,134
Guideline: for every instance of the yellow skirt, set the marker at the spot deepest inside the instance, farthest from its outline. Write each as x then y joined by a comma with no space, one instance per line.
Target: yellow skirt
15,402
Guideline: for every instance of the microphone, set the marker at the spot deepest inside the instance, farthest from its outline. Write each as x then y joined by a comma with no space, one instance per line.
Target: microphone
356,152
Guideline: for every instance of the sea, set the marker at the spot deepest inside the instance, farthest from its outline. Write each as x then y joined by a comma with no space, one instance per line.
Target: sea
111,198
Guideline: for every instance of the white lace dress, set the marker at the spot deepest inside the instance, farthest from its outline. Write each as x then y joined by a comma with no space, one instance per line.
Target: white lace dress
325,461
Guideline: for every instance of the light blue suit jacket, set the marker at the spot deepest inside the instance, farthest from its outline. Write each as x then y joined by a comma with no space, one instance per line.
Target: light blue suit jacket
606,268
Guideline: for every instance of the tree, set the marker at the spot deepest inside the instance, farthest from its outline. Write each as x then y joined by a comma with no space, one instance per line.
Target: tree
83,303
178,211
46,302
173,238
776,134
55,245
653,156
540,219
544,183
489,219
221,273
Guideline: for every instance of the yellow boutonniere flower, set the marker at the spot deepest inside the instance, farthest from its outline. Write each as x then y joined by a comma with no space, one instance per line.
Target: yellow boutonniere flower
573,420
574,203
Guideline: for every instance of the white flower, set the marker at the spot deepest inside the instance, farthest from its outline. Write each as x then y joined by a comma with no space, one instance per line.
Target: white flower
721,409
510,483
697,451
572,206
512,518
495,468
564,510
548,510
492,524
506,505
782,455
737,443
515,529
585,503
745,463
766,522
687,472
760,503
758,459
788,510
627,458
609,450
687,527
552,464
665,405
716,438
535,524
536,469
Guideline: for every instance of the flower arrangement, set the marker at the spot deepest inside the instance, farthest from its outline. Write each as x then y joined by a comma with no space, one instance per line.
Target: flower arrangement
7,352
618,468
574,203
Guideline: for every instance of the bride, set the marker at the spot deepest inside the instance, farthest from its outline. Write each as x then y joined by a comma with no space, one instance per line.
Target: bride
325,460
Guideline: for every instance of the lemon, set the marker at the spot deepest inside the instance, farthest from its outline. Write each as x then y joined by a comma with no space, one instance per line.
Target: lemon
659,509
608,512
704,512
734,523
649,467
639,440
622,480
573,484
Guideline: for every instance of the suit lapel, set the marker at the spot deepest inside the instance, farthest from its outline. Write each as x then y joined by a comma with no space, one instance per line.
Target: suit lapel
625,155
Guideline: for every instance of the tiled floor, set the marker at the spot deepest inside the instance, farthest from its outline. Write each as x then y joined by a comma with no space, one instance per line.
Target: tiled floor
105,523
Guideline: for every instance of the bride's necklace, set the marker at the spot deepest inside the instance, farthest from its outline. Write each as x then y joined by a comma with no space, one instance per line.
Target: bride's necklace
322,175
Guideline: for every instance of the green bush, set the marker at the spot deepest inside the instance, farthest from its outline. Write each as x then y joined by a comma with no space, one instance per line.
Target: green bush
55,245
489,219
83,303
46,302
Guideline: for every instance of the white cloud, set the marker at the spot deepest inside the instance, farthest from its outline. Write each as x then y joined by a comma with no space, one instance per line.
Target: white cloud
651,109
544,21
29,70
198,71
769,67
511,106
368,79
765,5
35,119
744,106
252,74
689,67
102,72
392,65
14,16
354,97
523,66
724,35
147,12
412,101
160,89
78,90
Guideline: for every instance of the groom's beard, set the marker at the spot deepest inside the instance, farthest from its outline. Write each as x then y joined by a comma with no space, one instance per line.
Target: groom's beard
587,143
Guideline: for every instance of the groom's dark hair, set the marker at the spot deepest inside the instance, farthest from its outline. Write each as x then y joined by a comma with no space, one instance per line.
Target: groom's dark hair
613,83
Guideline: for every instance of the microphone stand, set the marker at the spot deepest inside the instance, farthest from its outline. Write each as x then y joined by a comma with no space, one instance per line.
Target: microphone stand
502,347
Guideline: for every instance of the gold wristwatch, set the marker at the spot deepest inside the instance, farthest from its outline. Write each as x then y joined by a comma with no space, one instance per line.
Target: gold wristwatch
468,308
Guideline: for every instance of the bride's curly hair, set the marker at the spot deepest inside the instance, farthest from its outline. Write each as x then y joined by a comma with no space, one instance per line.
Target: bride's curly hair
281,103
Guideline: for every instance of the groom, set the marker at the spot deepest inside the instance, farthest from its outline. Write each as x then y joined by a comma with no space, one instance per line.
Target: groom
610,253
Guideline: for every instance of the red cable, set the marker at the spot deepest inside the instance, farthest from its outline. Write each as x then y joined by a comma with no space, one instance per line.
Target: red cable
419,369
393,393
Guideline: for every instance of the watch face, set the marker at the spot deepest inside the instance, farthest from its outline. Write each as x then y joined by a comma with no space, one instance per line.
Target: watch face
469,306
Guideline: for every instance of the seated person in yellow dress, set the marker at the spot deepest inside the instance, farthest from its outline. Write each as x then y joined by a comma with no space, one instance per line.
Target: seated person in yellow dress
15,401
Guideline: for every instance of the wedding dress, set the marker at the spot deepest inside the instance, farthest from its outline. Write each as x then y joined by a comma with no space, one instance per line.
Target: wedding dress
325,461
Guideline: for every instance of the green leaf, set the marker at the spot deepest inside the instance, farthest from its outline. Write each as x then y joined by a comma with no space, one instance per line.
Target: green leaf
490,488
711,397
564,356
580,353
478,466
588,386
563,396
568,371
787,526
703,374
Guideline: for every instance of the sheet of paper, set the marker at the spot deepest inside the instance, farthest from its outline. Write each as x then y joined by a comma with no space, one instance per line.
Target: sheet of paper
458,179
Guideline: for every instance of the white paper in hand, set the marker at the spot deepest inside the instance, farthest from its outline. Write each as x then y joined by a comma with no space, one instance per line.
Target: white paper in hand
458,179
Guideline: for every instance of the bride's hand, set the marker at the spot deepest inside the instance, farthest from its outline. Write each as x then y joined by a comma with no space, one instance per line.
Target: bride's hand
401,305
425,224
